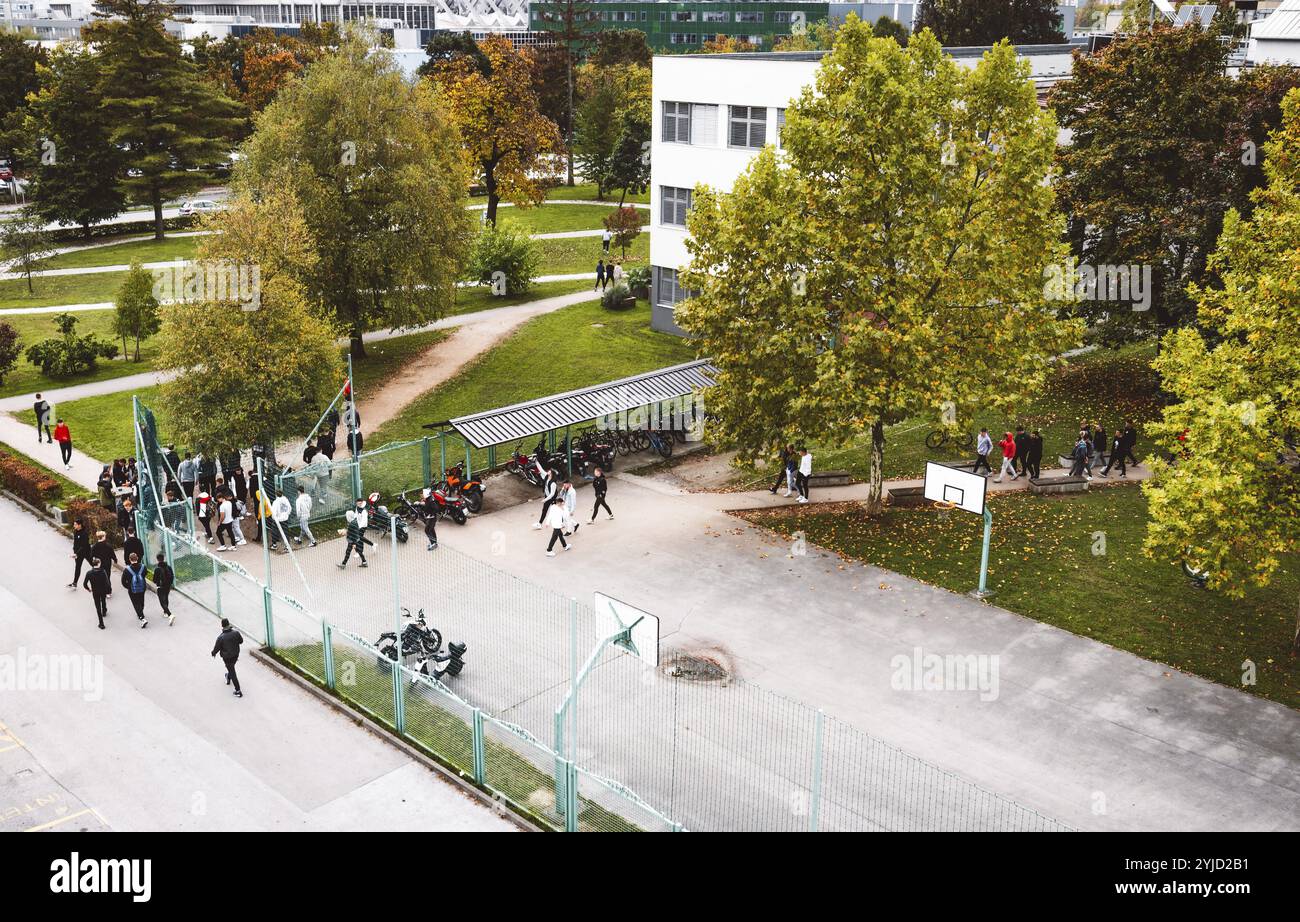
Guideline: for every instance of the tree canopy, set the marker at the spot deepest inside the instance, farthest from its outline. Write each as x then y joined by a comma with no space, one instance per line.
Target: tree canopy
984,22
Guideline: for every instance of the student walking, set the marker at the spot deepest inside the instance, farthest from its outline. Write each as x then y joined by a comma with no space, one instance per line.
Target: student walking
132,545
550,488
80,550
1008,446
1022,450
600,275
601,486
203,508
1099,443
102,551
187,473
805,471
1117,452
431,529
133,576
1130,442
569,496
786,472
605,238
100,588
227,645
357,539
983,445
225,523
64,438
280,511
555,520
41,410
163,579
1034,456
303,509
1080,456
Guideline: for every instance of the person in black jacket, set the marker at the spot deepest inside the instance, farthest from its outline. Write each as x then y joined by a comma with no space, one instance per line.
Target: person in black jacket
131,545
163,578
207,473
100,588
1021,458
601,486
1100,443
80,549
227,645
1034,454
1130,441
102,551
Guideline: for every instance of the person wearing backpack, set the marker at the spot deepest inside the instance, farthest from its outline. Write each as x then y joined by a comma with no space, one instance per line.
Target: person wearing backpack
133,581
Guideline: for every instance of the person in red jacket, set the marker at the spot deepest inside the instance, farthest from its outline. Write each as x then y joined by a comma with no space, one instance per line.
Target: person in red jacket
1008,446
64,438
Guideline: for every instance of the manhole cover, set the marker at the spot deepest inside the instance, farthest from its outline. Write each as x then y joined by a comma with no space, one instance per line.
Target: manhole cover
699,666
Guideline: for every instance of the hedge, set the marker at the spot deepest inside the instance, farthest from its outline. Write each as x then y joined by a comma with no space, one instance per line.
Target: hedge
31,483
76,234
96,517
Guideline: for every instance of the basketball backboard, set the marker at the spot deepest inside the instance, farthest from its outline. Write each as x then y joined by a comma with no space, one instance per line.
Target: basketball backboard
640,629
952,485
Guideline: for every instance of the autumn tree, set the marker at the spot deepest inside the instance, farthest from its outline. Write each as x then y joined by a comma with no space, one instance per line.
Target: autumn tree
984,22
1144,178
373,163
620,46
815,36
726,44
615,104
247,376
624,225
168,119
573,26
889,261
1229,504
1258,113
135,309
505,138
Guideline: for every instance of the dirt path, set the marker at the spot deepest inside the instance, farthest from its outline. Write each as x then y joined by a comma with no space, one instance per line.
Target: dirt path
443,360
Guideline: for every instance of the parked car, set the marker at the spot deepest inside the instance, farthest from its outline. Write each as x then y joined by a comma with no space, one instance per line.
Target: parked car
199,206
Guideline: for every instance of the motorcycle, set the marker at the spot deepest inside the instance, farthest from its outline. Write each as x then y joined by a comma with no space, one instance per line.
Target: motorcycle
437,503
382,520
471,490
424,643
524,466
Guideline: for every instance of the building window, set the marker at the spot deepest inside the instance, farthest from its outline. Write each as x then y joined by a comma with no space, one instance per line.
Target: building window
669,292
677,123
714,17
704,125
780,17
674,205
748,126
683,16
643,15
780,125
749,17
684,38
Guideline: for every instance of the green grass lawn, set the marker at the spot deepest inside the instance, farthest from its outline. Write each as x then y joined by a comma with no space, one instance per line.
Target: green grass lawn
567,255
1043,564
551,219
1104,385
32,328
121,254
582,192
92,288
480,298
570,348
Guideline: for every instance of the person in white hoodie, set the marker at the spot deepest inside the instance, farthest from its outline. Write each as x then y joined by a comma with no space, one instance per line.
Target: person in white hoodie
225,518
303,509
555,517
805,471
570,498
550,490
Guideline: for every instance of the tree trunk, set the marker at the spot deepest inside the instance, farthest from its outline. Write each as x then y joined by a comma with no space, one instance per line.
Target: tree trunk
30,290
493,197
358,347
156,195
137,348
875,495
568,114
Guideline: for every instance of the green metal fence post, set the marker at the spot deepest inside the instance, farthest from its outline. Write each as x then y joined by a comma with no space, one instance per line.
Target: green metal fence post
268,609
399,708
216,581
426,460
328,640
468,462
268,523
814,807
492,457
571,802
442,454
167,549
480,750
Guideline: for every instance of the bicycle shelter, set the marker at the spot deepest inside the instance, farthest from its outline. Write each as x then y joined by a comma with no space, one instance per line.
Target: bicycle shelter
642,399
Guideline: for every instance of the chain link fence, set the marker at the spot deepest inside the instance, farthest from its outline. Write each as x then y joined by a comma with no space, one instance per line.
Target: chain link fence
643,748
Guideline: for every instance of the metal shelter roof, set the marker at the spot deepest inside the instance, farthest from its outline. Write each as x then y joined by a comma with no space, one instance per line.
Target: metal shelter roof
514,423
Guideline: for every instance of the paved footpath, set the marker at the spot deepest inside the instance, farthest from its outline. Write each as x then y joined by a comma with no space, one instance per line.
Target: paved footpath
1084,733
160,743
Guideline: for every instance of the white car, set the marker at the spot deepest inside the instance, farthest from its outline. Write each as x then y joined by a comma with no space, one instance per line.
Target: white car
199,206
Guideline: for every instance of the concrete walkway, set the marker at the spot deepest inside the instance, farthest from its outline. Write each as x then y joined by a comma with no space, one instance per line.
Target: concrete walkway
159,743
1087,734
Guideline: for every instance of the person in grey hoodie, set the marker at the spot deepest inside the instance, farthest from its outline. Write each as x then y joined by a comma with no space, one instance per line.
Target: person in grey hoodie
983,445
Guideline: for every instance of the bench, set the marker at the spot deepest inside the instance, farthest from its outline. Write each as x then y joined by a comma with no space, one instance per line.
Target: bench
906,497
828,479
1046,485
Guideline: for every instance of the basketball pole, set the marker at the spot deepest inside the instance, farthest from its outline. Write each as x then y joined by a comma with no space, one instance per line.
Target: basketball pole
983,591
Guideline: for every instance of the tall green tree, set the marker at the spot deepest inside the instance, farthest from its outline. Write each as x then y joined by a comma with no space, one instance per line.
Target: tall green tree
1144,177
135,309
574,26
889,261
245,376
24,242
374,164
1229,504
76,167
165,115
615,104
984,22
621,46
20,63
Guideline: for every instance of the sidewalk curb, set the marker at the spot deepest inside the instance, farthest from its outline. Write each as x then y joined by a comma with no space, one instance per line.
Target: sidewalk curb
501,808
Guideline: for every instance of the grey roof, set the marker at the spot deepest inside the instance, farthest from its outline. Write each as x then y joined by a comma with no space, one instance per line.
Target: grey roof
517,422
1282,23
966,51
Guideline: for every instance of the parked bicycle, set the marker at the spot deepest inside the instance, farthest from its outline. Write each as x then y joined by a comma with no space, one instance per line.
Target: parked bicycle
938,438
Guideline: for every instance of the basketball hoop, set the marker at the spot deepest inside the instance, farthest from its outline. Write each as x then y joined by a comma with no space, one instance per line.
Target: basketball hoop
944,506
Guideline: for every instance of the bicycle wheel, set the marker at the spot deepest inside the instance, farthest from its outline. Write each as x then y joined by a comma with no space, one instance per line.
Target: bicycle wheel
935,439
640,440
968,441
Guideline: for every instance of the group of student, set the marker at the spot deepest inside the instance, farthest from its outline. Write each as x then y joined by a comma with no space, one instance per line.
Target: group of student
1022,453
101,557
560,506
795,469
610,274
44,412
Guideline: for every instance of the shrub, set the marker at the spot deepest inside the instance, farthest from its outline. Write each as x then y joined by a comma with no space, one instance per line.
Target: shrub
613,297
625,226
96,517
638,277
28,481
69,354
10,349
506,250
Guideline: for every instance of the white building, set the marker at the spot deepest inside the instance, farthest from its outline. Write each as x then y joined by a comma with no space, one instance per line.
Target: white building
714,112
1276,38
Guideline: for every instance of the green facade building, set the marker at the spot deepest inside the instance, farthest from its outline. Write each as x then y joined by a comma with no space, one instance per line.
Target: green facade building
684,27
